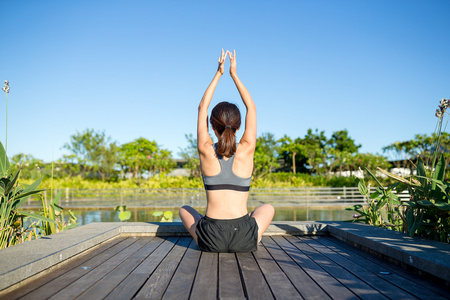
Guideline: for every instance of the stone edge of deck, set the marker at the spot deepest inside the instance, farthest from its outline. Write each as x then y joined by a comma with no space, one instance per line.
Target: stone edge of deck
425,255
25,260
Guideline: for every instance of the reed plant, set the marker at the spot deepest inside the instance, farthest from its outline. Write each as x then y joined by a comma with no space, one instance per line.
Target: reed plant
13,195
5,88
53,211
427,212
17,225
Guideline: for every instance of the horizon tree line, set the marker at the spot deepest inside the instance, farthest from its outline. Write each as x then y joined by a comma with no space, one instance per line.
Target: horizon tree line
92,154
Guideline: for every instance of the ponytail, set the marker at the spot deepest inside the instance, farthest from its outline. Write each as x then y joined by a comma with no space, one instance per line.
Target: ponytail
226,146
226,119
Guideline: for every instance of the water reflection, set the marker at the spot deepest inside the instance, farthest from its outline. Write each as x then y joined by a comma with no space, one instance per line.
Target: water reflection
333,213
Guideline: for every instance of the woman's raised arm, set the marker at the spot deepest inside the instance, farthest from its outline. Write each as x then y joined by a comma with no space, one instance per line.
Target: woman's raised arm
204,141
249,137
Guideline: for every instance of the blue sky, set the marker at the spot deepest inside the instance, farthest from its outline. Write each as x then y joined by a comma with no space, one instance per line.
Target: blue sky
139,68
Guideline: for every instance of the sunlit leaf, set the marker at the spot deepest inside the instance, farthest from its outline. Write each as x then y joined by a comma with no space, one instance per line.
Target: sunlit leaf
11,184
399,178
24,197
355,207
4,162
168,214
39,217
374,177
72,216
17,224
443,206
124,216
421,173
57,209
70,226
439,172
57,198
32,186
362,187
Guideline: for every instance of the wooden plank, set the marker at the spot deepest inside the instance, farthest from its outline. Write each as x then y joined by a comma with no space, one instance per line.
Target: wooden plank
205,283
399,277
279,283
327,282
79,286
230,285
180,286
129,287
59,270
356,285
255,284
381,284
56,285
306,286
104,286
156,285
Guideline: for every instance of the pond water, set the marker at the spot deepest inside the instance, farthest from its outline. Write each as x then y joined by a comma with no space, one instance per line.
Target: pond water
330,213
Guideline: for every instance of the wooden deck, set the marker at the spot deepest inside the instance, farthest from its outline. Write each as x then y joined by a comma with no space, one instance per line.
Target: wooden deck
284,267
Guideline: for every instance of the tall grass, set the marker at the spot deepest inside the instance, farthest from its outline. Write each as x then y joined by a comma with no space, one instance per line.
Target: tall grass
6,90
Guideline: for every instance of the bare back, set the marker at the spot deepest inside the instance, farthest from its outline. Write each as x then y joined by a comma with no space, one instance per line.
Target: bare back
227,204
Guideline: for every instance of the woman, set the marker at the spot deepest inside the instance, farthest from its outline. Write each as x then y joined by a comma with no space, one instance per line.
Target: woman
226,170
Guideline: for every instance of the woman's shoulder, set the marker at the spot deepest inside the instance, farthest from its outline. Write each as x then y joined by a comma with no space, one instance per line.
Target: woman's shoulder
206,148
209,152
244,148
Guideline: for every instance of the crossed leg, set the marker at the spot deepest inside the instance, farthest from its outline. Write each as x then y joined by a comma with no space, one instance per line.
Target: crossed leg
190,218
263,216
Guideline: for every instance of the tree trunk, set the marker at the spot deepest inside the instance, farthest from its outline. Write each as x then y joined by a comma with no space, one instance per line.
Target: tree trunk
293,161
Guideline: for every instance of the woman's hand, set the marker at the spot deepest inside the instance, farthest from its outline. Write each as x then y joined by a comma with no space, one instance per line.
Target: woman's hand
222,58
232,62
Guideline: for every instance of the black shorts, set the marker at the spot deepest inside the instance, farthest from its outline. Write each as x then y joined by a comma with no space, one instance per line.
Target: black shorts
232,235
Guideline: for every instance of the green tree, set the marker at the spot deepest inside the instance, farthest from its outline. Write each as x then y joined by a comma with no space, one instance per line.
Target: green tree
313,147
340,161
135,157
422,145
368,160
145,157
396,151
190,154
94,152
69,165
266,155
31,167
109,160
340,148
290,150
162,162
341,141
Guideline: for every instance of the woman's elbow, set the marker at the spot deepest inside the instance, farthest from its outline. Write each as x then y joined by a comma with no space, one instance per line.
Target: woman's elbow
202,108
251,107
